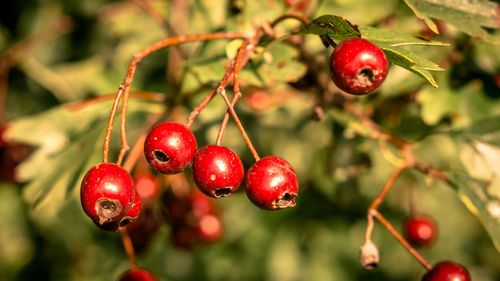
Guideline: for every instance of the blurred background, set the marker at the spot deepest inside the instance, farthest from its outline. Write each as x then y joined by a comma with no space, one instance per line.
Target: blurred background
62,60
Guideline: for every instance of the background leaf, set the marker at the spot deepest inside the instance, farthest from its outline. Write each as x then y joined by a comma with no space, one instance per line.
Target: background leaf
467,16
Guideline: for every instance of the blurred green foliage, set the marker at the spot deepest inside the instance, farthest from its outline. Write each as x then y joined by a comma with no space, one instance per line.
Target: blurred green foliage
44,235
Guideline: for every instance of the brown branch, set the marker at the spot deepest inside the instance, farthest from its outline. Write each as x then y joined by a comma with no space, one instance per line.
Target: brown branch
138,57
401,240
237,93
388,185
129,247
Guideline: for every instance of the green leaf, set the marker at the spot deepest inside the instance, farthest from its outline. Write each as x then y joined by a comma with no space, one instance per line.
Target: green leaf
392,38
486,130
480,159
467,16
66,142
390,41
336,27
484,205
283,66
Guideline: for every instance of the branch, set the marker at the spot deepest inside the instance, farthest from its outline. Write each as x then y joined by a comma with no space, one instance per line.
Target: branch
138,57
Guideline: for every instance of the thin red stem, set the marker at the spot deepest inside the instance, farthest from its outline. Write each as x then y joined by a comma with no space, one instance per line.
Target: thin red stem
401,240
388,185
138,57
129,247
237,93
223,94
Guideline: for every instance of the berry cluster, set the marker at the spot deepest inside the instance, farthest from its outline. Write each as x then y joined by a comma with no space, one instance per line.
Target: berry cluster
271,183
194,218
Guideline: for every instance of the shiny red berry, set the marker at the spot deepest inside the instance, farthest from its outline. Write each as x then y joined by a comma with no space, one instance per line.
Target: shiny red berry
358,67
420,230
271,183
138,275
147,188
133,212
447,271
170,147
107,193
217,171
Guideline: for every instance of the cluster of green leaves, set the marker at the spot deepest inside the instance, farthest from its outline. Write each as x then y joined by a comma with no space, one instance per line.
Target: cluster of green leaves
455,128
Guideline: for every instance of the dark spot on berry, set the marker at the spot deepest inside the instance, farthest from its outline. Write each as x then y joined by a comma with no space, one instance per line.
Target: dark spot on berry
223,192
286,200
365,77
107,209
124,222
161,156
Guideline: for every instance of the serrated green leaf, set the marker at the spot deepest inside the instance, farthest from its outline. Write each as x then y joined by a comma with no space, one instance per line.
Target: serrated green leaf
336,27
467,16
412,62
392,38
473,193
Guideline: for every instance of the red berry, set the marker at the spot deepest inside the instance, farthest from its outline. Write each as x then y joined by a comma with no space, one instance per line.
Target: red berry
143,229
108,226
107,193
147,188
358,67
271,183
133,212
170,147
447,271
301,6
210,228
217,171
420,230
138,275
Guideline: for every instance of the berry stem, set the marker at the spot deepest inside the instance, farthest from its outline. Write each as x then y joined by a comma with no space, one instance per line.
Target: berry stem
237,93
255,155
395,233
138,57
388,185
302,19
129,247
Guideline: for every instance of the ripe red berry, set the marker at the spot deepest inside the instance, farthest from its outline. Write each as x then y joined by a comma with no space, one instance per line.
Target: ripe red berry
447,271
217,171
210,228
271,183
301,6
107,193
133,212
358,67
170,147
147,188
138,275
420,230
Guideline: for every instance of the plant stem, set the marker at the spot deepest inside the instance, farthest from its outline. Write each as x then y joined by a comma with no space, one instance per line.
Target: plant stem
255,155
388,185
237,93
401,240
129,247
138,57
